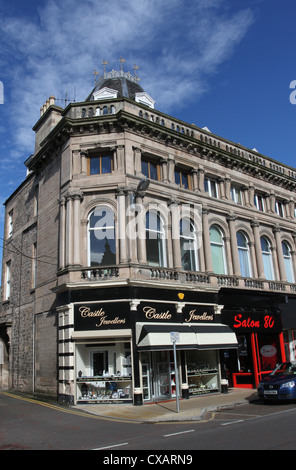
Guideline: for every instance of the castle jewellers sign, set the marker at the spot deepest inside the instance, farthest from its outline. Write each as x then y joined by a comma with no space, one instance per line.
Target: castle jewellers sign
112,315
102,316
162,312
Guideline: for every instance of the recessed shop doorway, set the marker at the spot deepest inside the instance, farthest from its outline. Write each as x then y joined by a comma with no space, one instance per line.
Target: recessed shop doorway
158,375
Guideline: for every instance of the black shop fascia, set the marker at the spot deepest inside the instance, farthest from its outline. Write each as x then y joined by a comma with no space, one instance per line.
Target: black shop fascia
256,320
124,347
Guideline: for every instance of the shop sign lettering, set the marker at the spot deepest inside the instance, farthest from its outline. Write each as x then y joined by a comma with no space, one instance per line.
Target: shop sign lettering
103,316
152,314
189,314
103,319
199,317
248,323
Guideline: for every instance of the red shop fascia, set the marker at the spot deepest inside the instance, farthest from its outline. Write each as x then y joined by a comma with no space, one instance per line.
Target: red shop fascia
260,339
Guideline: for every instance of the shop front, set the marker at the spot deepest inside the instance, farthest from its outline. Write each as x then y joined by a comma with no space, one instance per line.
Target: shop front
260,339
123,350
288,315
103,363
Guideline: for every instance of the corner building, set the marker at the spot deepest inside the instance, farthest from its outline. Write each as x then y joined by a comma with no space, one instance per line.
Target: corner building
132,228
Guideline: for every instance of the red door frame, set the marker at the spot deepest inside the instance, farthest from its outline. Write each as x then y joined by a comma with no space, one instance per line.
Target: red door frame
258,374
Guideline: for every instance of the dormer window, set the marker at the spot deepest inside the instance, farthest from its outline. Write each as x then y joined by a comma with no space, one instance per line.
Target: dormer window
144,98
105,93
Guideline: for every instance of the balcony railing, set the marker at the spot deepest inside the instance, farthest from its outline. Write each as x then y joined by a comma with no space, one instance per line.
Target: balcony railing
178,277
99,274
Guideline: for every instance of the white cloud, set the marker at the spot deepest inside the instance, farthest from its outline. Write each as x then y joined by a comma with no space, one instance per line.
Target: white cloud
177,43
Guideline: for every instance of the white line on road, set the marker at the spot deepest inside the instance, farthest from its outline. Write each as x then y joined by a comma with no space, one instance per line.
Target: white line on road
233,422
110,447
177,433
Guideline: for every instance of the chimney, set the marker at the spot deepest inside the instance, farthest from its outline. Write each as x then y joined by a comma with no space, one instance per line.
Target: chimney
49,102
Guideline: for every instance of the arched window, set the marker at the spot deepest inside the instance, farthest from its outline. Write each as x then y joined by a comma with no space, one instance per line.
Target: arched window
188,245
267,258
244,254
288,262
217,250
155,239
101,237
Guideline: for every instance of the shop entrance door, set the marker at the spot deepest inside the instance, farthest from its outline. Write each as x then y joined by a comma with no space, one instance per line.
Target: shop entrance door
156,376
161,384
268,351
258,355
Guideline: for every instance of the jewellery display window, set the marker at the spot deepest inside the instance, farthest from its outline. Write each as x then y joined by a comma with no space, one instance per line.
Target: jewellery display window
202,372
104,373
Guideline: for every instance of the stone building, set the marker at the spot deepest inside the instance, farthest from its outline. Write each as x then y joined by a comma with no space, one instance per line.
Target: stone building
133,228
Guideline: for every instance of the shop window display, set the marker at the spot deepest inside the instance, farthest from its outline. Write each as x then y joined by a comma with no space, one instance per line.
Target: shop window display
202,372
103,373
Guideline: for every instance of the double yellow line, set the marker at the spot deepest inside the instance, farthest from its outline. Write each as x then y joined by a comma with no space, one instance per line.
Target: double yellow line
99,417
64,410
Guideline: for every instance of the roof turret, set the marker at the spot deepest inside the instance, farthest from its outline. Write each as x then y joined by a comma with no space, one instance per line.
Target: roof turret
119,84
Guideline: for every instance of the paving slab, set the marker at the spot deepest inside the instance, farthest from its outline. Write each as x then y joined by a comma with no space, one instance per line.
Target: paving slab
193,409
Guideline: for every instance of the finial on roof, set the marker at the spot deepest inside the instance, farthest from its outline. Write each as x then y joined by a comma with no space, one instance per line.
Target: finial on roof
116,73
96,74
121,60
104,63
136,67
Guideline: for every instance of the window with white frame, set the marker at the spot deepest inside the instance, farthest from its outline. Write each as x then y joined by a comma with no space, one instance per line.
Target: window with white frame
7,280
10,223
267,258
155,239
244,254
279,208
211,187
101,237
218,250
259,202
188,244
288,262
236,195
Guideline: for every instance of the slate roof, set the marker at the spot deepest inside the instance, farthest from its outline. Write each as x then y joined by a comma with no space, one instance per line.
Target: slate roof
125,87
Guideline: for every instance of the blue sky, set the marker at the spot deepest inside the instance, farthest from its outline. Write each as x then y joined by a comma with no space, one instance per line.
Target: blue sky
224,64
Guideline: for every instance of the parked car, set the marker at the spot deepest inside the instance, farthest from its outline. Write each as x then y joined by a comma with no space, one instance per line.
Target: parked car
280,384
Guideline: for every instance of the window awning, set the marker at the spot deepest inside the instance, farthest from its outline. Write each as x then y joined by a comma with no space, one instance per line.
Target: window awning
214,336
156,336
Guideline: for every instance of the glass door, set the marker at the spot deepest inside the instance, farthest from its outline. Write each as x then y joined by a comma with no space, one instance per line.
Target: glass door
163,385
161,376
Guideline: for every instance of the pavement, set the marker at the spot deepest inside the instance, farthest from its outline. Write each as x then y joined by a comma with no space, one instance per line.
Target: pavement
194,409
